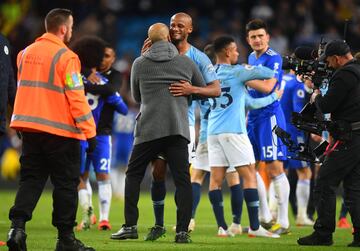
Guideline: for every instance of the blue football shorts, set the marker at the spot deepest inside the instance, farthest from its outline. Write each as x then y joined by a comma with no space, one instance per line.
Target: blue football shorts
266,144
100,159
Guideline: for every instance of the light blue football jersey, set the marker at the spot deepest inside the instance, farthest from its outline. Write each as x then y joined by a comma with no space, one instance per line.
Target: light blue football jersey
204,106
228,111
272,60
207,71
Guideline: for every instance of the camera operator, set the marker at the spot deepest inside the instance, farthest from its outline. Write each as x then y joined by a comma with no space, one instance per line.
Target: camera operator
342,161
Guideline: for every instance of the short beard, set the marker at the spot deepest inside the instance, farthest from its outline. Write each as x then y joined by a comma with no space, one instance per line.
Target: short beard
176,42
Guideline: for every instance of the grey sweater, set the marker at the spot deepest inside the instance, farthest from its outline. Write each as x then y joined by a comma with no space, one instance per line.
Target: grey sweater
162,114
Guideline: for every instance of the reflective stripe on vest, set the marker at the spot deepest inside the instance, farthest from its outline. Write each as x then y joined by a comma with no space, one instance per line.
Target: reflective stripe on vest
53,64
50,86
21,60
45,85
43,121
83,118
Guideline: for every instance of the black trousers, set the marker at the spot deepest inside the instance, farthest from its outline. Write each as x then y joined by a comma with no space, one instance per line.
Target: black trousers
176,152
343,164
46,155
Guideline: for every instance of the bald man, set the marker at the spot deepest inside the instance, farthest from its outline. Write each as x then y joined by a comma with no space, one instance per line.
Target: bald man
158,32
162,126
180,29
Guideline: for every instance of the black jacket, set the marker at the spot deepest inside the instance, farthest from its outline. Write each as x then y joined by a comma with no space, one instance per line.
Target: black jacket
7,82
105,124
342,99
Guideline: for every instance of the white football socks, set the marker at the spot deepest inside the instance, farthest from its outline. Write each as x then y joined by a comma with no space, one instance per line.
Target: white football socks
90,192
302,197
282,191
105,193
264,211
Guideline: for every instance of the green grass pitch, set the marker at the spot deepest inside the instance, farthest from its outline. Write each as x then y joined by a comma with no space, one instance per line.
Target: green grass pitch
42,235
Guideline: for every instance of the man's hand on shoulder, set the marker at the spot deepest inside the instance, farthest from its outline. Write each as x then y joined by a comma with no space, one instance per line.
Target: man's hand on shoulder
146,46
93,78
279,93
181,88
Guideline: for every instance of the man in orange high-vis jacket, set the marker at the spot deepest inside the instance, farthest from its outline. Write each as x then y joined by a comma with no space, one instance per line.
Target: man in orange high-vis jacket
53,115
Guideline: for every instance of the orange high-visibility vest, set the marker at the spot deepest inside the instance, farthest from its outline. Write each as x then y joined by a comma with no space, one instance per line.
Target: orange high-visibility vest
50,96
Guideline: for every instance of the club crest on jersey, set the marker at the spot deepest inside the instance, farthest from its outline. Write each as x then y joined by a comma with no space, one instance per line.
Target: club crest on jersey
300,93
210,68
6,50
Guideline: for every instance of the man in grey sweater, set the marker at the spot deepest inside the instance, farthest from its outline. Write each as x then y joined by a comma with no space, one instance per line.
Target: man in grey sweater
162,126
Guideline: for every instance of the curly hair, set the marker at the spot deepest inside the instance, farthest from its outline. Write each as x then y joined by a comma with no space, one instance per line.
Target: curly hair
90,50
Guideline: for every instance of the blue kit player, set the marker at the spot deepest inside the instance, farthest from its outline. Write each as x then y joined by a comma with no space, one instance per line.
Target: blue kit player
100,159
293,100
97,56
267,146
123,138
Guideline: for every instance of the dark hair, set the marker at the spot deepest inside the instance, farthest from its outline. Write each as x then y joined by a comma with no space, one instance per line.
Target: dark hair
108,45
222,42
90,50
55,18
210,52
256,24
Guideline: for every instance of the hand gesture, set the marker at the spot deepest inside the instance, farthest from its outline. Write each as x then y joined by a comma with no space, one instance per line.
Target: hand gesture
279,92
181,88
146,46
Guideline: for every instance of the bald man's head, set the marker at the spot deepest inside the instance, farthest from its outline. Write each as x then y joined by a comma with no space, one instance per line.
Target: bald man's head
158,32
186,18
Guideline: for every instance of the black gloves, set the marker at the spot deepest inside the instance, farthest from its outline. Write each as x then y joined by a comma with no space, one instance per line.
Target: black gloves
91,145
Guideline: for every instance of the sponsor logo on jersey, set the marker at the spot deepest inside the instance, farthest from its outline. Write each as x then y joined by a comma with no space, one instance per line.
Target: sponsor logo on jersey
6,50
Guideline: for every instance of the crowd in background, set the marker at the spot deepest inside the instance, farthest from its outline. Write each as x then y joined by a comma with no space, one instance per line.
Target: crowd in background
123,23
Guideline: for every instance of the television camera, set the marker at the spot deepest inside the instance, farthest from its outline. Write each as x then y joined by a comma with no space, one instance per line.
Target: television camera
306,62
310,121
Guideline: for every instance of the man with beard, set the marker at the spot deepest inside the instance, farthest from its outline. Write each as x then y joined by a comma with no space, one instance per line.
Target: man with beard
267,147
53,115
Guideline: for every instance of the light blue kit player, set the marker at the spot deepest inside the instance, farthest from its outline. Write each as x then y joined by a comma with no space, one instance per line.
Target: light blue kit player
267,146
207,71
228,143
201,167
293,100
